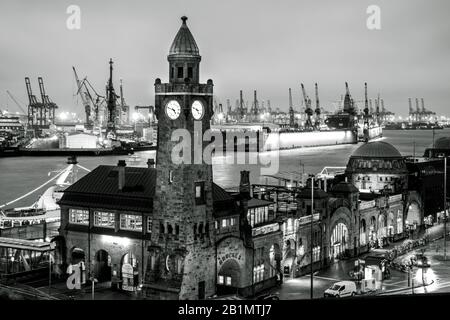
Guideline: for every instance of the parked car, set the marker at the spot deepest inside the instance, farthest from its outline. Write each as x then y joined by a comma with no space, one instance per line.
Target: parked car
421,261
341,289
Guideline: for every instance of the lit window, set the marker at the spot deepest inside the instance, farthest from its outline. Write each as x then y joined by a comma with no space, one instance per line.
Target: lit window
104,219
221,280
228,281
216,224
131,222
78,216
200,193
149,225
224,223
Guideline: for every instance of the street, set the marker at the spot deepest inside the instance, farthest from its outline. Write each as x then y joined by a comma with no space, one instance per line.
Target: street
435,279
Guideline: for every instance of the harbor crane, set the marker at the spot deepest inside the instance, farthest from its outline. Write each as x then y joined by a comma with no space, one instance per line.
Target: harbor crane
49,106
317,111
308,110
291,111
85,97
16,102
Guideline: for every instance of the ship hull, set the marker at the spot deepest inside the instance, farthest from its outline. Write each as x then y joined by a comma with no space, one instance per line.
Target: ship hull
291,140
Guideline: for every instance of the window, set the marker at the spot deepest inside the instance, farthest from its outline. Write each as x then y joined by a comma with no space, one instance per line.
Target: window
221,280
316,254
172,72
170,176
228,281
216,224
131,222
78,216
200,193
104,219
149,225
190,73
224,223
258,273
180,72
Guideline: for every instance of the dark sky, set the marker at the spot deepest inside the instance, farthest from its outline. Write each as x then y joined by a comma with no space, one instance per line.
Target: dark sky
258,44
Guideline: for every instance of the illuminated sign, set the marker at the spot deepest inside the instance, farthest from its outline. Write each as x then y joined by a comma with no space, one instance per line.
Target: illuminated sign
307,219
235,255
265,229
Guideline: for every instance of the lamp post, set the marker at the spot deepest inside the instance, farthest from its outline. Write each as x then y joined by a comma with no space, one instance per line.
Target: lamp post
52,246
93,281
311,230
445,207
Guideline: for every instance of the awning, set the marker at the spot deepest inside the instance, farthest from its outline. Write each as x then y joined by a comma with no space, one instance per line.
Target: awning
26,244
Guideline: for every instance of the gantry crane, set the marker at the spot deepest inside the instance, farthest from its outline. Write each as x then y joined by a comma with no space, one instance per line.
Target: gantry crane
308,110
16,102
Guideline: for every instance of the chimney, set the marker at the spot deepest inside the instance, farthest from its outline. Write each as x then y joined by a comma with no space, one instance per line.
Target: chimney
121,173
244,185
151,163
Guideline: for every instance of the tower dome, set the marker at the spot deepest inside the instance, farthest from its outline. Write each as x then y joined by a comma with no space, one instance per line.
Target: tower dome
442,143
184,57
376,166
376,149
184,43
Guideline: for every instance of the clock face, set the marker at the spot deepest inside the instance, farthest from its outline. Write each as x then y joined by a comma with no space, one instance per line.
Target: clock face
197,110
173,109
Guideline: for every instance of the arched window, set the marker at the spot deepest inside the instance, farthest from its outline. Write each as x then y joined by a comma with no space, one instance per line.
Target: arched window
169,229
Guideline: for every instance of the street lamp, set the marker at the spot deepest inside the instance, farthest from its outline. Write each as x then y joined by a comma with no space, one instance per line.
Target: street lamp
311,230
93,281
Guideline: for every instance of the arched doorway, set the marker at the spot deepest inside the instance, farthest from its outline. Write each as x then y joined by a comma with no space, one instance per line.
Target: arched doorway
77,255
339,240
399,221
288,256
381,226
129,270
229,274
274,260
362,233
373,229
102,266
391,224
413,215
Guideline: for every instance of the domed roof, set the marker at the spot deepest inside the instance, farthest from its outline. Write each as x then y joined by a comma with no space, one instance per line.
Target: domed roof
344,187
442,143
376,149
184,43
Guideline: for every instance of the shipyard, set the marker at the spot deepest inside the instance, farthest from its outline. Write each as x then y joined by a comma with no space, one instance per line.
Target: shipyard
194,159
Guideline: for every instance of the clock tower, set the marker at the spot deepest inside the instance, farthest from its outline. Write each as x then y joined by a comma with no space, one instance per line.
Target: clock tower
181,255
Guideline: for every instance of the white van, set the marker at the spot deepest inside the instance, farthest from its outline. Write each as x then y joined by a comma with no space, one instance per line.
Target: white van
341,289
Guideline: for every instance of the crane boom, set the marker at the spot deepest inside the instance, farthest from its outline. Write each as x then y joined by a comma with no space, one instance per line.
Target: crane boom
15,101
305,98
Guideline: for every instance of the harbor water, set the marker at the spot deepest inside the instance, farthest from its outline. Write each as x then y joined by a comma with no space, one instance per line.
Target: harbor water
19,175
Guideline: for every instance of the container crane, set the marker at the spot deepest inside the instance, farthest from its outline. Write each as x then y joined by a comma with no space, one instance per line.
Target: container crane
317,111
291,111
15,101
49,106
308,110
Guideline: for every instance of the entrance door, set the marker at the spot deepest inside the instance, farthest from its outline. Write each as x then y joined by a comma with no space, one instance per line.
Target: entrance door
201,290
